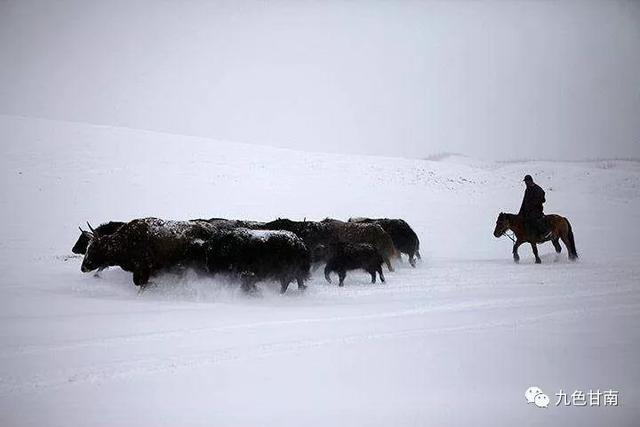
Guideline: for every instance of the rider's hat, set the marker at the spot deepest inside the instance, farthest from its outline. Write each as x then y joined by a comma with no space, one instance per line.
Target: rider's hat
527,178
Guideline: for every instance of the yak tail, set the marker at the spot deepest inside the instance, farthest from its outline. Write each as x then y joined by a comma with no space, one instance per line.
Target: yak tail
573,253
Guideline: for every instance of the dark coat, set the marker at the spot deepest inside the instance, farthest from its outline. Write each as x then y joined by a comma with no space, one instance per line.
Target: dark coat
255,255
532,202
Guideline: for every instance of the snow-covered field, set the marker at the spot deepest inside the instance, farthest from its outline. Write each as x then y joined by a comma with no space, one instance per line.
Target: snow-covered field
456,341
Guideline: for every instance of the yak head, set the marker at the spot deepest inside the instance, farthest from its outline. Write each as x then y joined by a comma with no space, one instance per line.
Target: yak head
95,252
80,247
85,236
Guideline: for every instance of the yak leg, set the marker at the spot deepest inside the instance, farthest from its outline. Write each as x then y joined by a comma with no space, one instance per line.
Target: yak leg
373,275
327,272
380,273
98,271
534,248
141,277
284,284
388,262
412,260
301,284
341,275
248,282
516,245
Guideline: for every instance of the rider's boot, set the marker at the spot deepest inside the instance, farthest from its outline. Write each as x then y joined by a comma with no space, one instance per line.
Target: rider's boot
544,229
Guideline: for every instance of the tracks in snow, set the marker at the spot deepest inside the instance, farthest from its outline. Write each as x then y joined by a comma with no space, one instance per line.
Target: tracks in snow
151,365
493,304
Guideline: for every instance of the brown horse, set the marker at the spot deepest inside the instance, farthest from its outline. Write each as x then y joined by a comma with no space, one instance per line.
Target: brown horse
560,229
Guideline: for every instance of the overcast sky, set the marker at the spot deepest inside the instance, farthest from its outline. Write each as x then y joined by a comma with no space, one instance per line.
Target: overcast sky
501,80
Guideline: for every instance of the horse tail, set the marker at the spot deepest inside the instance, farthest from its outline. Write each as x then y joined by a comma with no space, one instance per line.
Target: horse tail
573,253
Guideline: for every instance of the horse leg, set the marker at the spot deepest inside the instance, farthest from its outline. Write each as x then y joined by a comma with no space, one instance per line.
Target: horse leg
556,245
534,248
566,239
516,245
566,243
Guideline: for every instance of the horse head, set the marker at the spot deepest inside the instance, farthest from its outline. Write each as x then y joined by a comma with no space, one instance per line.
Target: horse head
502,224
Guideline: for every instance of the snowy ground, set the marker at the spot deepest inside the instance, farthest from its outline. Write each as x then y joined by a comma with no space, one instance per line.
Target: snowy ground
454,342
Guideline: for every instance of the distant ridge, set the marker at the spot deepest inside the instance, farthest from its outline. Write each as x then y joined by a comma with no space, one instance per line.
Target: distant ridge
437,157
442,156
587,160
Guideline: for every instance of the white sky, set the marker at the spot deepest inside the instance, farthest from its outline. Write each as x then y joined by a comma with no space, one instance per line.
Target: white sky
502,80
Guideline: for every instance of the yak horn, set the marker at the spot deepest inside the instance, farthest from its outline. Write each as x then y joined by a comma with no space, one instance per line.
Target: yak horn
85,232
91,228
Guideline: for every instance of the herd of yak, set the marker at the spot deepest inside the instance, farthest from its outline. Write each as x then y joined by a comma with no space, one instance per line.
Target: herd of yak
248,251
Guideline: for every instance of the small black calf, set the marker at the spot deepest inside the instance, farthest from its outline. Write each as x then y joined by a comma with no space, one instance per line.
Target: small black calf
345,257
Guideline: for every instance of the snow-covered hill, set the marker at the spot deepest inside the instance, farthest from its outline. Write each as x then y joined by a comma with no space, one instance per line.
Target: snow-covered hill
454,342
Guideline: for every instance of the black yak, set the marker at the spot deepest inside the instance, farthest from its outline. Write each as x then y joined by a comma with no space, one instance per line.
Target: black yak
257,255
329,231
145,246
112,226
343,257
105,229
404,238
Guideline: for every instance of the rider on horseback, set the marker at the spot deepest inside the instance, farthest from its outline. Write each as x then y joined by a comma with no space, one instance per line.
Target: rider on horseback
532,210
